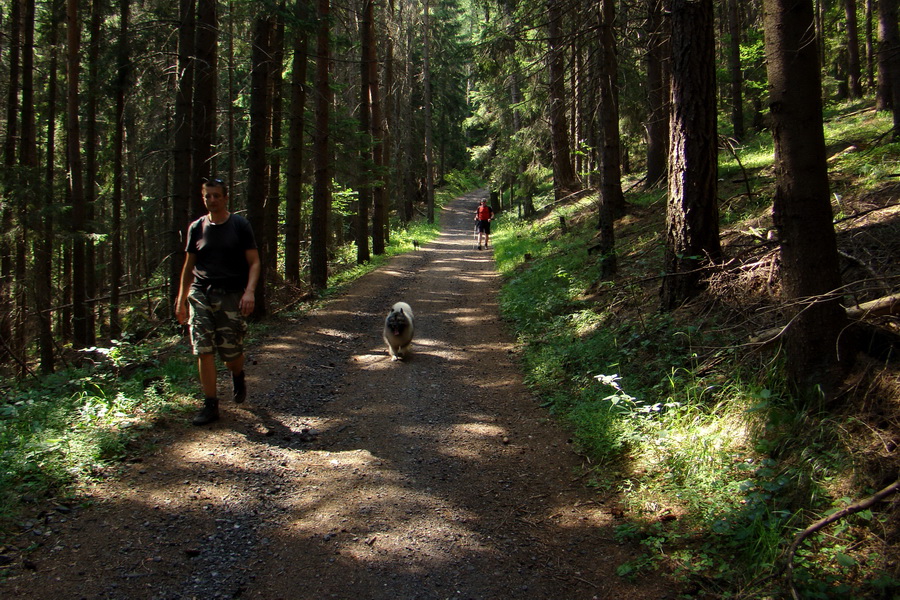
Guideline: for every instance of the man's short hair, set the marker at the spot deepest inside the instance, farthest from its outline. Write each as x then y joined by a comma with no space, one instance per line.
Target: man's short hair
216,182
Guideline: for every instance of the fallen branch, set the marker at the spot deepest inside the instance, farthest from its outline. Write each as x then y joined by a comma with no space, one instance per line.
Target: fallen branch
844,512
787,564
864,213
888,305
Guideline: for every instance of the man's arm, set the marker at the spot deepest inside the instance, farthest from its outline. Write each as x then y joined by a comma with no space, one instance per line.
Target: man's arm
187,278
248,300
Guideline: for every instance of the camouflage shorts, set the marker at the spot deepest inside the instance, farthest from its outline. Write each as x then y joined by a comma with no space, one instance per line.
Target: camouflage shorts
216,323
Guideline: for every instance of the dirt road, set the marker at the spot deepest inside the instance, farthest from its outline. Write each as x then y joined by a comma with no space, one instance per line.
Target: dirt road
347,475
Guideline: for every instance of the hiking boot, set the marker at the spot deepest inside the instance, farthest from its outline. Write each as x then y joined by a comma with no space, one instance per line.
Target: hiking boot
239,387
479,247
209,412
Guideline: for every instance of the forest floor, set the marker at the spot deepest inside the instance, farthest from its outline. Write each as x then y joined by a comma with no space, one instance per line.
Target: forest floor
347,475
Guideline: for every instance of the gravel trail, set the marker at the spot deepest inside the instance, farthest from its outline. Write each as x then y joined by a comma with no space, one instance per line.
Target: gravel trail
347,475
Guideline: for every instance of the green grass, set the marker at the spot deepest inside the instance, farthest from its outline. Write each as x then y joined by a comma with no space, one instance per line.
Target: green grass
76,424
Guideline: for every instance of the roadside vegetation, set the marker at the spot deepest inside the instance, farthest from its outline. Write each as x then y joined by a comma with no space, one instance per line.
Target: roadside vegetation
717,466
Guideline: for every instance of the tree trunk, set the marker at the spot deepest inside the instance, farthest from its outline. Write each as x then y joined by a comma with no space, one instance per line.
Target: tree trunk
231,94
564,179
76,179
611,154
429,149
123,82
204,100
28,159
692,213
379,200
801,208
43,242
657,93
182,193
854,70
276,102
294,184
364,184
612,200
321,209
257,182
91,168
870,47
411,185
889,62
580,125
7,275
735,69
389,122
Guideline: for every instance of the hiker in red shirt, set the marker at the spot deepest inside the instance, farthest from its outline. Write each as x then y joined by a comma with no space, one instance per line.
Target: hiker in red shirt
483,217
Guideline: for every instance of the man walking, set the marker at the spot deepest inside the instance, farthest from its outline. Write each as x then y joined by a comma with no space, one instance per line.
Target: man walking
483,217
218,291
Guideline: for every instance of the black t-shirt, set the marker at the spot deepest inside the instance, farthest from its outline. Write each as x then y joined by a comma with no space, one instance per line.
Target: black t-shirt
221,252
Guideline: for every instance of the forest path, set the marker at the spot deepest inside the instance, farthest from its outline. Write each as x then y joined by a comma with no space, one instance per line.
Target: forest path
347,475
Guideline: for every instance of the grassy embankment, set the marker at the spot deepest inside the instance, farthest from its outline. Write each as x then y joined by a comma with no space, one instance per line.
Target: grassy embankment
715,462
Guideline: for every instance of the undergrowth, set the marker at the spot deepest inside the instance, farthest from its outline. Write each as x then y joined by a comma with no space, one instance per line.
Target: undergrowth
62,430
717,464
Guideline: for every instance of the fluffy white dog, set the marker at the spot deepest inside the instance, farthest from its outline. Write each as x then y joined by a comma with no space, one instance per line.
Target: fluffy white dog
398,330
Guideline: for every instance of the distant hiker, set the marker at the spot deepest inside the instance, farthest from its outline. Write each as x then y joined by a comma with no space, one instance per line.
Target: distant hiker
483,217
218,281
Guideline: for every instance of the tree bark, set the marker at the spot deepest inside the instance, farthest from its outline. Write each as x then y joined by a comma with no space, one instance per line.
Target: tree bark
801,207
231,94
91,168
611,152
364,184
735,70
429,144
206,78
389,121
657,93
612,200
28,160
276,103
889,62
257,182
379,200
43,242
870,47
294,184
76,178
321,209
564,179
123,81
410,182
10,145
692,214
854,70
182,193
